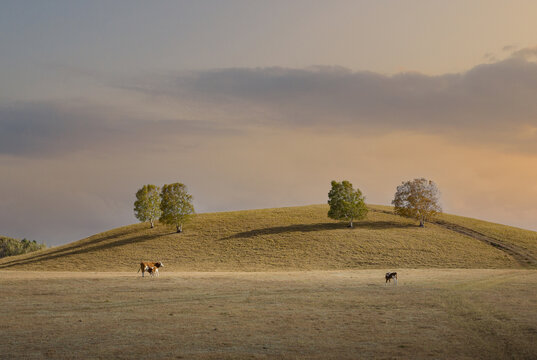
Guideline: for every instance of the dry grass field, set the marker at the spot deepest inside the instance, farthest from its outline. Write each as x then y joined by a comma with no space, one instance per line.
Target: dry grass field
278,283
295,238
347,314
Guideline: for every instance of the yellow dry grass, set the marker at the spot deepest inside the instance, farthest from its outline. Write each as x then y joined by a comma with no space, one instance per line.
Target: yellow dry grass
344,314
294,238
525,239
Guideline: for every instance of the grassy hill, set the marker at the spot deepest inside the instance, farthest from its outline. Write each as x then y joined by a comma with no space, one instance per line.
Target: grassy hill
295,238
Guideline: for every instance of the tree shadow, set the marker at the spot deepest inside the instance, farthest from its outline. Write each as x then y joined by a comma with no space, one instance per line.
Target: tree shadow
69,247
371,225
86,247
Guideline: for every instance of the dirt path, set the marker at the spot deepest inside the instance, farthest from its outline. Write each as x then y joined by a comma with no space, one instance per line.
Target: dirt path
518,253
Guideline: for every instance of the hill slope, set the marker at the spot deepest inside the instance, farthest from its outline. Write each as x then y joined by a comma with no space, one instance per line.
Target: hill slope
296,238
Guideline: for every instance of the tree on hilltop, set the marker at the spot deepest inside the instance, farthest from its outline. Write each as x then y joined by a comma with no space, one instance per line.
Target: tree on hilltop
417,199
346,203
176,205
147,204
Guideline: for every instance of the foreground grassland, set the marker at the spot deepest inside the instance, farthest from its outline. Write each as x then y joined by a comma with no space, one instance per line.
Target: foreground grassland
296,238
347,314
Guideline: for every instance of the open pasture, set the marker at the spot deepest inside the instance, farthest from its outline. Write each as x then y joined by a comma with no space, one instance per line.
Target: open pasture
347,314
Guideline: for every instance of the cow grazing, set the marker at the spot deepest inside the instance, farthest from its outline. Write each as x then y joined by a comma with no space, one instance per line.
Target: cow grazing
390,276
145,266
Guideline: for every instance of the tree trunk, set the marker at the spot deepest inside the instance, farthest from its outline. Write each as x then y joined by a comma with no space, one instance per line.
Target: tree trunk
179,228
422,223
152,223
350,225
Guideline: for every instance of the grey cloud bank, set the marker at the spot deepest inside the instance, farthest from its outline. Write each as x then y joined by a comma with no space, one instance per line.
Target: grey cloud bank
493,102
53,128
489,104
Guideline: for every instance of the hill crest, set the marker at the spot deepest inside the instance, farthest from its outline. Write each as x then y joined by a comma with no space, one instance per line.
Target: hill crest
293,238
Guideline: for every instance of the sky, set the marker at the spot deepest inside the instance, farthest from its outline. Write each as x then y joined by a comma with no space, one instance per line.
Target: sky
260,104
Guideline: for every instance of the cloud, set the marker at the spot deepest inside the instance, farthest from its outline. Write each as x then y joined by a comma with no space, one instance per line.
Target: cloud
490,57
526,53
41,129
509,48
490,103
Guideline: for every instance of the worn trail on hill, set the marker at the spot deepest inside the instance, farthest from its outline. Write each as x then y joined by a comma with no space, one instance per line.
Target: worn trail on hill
518,253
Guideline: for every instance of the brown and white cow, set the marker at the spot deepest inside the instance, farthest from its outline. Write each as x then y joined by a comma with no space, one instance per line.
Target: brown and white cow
150,267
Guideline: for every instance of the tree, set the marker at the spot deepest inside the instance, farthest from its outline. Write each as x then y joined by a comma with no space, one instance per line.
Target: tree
346,203
10,246
176,205
417,199
147,204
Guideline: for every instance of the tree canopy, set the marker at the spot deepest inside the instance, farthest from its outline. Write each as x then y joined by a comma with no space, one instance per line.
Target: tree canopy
10,246
176,205
417,199
147,204
346,203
